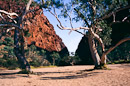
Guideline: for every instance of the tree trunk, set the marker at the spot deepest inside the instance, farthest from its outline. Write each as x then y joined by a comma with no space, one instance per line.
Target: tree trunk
94,53
19,54
103,59
72,63
53,61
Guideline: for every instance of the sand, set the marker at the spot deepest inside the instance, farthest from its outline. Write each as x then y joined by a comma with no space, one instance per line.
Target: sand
118,75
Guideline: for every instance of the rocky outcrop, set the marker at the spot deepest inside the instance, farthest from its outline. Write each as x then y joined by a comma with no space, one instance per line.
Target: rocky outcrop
41,32
83,51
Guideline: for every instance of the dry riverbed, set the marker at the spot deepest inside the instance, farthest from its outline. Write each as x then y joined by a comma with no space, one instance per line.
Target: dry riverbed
118,75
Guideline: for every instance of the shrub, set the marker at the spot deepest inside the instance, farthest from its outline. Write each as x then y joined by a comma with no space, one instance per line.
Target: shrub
10,63
1,42
35,63
8,41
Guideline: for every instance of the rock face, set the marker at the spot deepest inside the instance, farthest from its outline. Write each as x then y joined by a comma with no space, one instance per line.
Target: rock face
83,51
41,32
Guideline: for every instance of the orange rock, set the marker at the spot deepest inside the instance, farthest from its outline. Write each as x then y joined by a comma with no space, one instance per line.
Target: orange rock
42,32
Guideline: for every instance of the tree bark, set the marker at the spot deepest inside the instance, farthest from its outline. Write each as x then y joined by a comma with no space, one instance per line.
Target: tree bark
94,35
19,54
94,53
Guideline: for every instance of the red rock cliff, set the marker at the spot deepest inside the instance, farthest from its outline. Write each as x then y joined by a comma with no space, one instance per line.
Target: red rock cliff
41,31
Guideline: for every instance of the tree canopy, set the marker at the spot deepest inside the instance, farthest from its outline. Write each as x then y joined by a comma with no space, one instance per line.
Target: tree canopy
93,13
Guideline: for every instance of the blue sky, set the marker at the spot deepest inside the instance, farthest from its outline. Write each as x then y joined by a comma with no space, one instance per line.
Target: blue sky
72,40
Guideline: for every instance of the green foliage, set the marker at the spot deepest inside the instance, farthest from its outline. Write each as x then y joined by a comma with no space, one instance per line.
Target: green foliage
36,57
73,59
105,34
8,41
55,57
122,52
35,62
42,52
50,3
119,62
70,60
83,10
10,63
8,58
7,52
9,49
1,42
27,34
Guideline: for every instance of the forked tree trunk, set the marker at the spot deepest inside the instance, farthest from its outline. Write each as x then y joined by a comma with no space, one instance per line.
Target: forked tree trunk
19,53
94,53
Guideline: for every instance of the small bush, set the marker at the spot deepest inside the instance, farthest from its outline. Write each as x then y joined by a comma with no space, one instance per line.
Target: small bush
1,42
35,63
8,41
10,63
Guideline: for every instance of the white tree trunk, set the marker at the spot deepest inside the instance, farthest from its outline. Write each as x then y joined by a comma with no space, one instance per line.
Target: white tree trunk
94,53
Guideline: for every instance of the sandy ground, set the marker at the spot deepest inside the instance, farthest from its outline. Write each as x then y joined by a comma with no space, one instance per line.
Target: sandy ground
118,75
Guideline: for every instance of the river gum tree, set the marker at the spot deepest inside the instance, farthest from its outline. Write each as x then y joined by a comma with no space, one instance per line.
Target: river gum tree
92,13
17,25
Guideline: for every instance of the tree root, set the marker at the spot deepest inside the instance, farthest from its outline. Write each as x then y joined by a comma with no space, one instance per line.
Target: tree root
24,71
102,66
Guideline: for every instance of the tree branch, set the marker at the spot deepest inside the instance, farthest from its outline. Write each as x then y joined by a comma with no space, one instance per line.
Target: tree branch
93,8
66,28
12,19
2,17
13,28
111,13
125,18
98,38
7,13
114,16
70,19
28,5
112,48
82,16
26,10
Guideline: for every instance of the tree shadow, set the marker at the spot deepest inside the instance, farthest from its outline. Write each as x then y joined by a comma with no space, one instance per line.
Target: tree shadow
44,73
2,74
12,75
74,75
125,65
